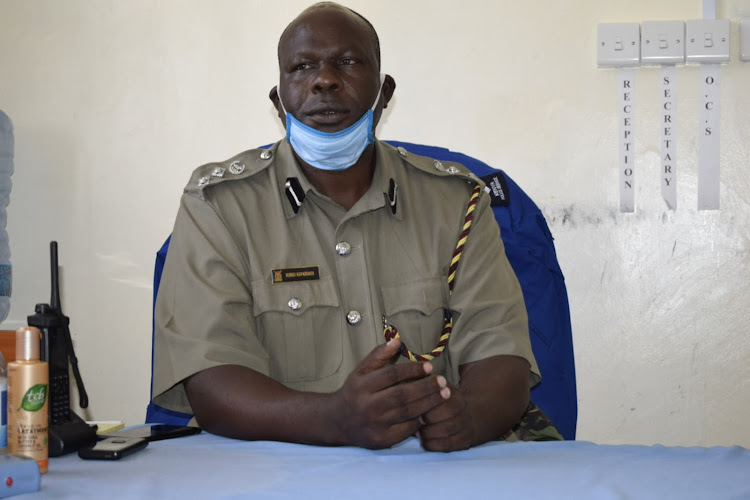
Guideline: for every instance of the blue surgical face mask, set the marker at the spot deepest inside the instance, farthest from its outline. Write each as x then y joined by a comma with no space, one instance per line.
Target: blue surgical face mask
332,150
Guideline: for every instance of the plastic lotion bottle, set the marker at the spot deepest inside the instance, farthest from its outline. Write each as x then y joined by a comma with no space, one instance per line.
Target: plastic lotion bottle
28,417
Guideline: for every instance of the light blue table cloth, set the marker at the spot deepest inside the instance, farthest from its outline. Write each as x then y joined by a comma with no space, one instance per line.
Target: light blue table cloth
208,466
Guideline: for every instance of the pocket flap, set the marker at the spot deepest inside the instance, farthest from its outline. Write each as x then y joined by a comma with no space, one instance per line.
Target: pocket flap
277,296
424,295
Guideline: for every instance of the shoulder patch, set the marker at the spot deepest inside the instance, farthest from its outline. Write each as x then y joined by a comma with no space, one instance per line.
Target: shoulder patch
497,187
243,165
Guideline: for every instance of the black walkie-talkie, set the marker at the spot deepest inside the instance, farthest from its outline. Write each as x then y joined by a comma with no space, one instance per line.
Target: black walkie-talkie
67,431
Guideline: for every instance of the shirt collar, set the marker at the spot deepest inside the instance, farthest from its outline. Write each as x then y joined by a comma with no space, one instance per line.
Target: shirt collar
383,192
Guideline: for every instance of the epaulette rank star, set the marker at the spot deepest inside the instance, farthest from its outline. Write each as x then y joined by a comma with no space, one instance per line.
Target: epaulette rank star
241,166
437,167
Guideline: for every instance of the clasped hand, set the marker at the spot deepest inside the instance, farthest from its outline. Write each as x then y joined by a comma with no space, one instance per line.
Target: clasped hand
383,403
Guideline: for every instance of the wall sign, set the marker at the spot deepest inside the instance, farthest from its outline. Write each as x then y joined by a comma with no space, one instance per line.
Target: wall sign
709,137
626,89
668,138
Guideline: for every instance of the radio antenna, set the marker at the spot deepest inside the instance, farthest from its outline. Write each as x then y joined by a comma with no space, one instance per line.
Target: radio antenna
54,301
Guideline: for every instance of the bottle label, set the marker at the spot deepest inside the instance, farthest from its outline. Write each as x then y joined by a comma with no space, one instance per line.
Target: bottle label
28,411
35,398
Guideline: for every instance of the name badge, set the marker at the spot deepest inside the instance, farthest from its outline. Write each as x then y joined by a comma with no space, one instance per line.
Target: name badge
295,274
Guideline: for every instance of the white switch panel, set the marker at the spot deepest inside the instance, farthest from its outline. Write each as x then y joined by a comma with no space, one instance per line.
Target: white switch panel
745,39
707,41
618,44
663,42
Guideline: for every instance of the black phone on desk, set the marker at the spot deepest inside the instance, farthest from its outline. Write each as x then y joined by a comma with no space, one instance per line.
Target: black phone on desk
112,448
155,432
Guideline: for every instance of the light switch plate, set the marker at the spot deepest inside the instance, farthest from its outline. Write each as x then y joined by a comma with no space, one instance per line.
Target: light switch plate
618,44
745,40
707,41
662,42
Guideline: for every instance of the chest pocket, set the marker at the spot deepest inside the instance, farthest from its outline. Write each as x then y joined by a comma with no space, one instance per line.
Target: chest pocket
416,308
300,326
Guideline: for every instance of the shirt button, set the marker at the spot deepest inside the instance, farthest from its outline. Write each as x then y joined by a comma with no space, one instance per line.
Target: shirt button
353,318
343,248
295,304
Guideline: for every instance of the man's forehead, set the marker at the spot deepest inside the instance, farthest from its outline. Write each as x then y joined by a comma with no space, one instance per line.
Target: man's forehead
327,13
322,18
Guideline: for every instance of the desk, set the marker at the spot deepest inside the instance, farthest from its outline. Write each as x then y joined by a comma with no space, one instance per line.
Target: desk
208,466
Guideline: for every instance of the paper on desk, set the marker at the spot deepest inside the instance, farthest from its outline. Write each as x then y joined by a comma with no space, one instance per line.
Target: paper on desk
106,426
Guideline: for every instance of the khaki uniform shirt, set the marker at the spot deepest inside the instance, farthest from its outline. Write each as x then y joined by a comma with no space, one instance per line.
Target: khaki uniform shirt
265,272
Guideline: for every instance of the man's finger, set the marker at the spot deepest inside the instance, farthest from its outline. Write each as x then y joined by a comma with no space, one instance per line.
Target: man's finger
383,355
379,357
394,375
412,400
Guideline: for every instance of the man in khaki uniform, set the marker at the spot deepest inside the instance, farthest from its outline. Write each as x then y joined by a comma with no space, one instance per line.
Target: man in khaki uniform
284,264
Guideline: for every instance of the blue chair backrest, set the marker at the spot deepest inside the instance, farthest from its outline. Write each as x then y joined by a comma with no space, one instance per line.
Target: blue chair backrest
531,251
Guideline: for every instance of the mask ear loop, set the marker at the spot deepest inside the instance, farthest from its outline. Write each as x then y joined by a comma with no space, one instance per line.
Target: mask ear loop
380,92
287,119
371,112
278,94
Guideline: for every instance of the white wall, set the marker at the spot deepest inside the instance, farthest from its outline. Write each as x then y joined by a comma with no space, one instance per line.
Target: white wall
115,103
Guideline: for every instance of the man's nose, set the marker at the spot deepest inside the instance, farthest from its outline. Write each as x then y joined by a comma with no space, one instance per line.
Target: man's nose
327,78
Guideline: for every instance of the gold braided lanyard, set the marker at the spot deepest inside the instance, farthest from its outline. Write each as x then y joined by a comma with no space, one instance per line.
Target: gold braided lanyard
391,332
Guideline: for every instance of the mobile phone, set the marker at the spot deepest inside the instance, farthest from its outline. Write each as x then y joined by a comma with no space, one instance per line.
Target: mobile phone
156,432
113,448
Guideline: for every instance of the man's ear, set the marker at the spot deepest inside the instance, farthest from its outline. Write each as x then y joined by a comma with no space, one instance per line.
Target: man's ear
389,87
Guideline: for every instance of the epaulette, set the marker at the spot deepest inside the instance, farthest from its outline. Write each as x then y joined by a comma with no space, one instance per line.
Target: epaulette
241,166
435,167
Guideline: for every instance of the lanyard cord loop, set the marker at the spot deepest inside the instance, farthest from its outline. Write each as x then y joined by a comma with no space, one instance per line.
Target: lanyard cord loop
391,332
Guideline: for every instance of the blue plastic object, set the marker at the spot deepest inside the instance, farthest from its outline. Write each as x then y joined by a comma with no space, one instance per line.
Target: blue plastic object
6,170
19,475
531,251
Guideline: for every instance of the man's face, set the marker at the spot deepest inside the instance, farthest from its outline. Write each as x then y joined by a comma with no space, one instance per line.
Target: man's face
329,75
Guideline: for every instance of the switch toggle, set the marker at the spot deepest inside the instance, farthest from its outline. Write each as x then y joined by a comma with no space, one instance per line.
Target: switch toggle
707,41
663,42
618,44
